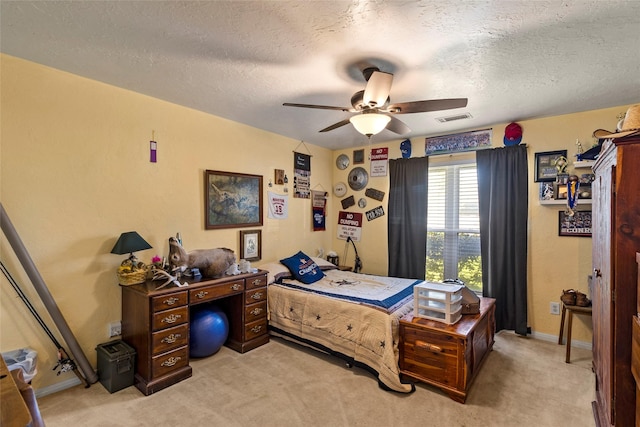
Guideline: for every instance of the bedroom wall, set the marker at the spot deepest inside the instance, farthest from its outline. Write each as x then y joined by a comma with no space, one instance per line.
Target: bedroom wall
75,173
554,263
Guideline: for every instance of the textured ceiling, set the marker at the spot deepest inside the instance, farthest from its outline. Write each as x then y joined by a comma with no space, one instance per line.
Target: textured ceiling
513,60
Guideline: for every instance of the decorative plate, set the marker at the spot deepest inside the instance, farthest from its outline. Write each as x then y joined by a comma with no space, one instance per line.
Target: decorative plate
358,178
362,202
342,162
340,189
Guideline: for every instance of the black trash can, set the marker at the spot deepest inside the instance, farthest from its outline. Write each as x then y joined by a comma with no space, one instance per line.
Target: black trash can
116,365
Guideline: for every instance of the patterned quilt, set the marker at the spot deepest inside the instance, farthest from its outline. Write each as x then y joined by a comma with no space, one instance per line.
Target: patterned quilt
356,315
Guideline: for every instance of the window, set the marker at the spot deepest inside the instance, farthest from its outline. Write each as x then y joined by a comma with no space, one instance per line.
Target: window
453,225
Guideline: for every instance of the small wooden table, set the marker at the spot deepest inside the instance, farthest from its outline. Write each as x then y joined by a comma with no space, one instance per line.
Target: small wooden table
571,309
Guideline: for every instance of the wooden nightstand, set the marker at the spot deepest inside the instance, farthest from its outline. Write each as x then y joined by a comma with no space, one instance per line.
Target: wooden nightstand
447,356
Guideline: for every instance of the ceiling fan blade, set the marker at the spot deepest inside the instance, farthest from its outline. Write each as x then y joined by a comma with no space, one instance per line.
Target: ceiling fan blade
378,87
336,125
319,107
426,106
397,126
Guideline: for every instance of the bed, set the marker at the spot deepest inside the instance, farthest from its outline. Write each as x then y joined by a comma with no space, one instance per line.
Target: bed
350,315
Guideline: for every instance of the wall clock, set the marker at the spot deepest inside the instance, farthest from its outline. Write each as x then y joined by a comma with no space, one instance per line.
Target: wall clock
340,189
342,162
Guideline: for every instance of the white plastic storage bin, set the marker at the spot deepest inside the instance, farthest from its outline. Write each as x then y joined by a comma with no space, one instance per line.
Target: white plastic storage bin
438,301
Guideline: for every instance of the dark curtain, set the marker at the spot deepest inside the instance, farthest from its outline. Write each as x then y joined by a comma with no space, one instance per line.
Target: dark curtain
407,217
504,203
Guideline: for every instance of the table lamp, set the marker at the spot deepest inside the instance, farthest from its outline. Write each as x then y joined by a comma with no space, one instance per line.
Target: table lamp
130,242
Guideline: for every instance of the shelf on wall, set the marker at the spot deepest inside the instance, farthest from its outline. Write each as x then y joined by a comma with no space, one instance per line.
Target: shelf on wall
563,202
583,164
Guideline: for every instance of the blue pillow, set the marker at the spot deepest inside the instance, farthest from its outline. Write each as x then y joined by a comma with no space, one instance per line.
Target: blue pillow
303,268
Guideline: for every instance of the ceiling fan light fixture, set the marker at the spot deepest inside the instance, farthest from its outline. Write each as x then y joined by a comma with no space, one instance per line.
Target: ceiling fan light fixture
370,123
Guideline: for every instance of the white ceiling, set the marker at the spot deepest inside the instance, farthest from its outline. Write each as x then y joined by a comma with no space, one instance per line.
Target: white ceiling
513,60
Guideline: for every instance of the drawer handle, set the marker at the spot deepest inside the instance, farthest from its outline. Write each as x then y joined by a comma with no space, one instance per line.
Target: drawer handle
170,339
256,329
171,301
172,319
171,361
202,294
428,347
256,282
257,295
256,311
236,286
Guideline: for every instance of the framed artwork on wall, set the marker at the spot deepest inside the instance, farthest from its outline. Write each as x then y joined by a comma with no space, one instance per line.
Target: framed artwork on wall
232,200
251,245
548,165
578,225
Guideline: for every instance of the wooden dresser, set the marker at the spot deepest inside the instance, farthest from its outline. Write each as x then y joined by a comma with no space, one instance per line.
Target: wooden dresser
616,238
447,356
155,322
635,346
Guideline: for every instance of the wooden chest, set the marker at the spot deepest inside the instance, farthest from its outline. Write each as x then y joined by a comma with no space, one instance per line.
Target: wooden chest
447,356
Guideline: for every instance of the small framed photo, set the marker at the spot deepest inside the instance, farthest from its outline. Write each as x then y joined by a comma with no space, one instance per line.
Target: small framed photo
547,165
279,176
560,191
577,225
251,245
358,157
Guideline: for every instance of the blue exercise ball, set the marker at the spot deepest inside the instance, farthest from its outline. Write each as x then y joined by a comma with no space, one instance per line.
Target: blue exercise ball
209,330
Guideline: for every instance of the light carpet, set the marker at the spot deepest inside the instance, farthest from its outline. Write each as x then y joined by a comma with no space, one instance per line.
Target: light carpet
523,382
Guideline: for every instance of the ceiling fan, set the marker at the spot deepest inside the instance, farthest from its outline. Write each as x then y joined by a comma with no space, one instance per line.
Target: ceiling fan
375,112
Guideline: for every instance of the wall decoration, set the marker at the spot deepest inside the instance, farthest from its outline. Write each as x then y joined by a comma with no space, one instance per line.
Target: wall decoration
318,209
278,205
358,178
374,194
549,164
468,141
375,213
358,157
232,200
348,202
251,245
405,148
340,189
301,175
578,224
279,176
349,225
342,161
379,161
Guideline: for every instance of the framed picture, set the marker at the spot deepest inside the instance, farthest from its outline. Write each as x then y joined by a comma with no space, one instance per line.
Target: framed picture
547,165
560,191
232,200
358,157
467,141
578,225
250,245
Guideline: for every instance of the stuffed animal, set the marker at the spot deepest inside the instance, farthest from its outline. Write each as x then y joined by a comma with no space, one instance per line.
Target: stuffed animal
210,262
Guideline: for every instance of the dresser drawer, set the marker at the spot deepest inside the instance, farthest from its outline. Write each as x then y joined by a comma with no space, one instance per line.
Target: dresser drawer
432,356
168,362
168,339
257,282
168,318
255,311
165,302
255,295
208,293
255,329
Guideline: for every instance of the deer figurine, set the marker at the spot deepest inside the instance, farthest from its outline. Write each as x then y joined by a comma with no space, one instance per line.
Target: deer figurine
210,262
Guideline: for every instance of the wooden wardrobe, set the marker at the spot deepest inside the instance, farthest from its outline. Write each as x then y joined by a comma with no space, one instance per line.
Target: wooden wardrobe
616,239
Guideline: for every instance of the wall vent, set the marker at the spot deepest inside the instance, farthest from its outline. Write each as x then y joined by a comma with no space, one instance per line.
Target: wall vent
454,118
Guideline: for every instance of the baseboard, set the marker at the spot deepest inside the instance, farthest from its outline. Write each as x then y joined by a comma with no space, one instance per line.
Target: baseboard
554,338
54,388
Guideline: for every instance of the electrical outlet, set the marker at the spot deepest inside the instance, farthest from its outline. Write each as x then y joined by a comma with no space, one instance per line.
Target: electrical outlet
554,307
115,329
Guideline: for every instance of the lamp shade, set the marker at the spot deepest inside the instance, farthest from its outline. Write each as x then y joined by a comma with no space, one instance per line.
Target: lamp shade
370,123
129,242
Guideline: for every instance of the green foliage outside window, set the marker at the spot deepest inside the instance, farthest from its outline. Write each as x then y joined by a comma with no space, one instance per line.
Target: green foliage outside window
469,263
